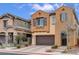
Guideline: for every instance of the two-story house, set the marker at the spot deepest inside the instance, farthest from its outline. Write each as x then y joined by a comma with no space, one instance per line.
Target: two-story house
11,26
57,28
43,30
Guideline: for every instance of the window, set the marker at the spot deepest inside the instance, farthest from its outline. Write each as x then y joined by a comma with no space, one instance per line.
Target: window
63,16
27,25
53,20
78,32
40,22
5,23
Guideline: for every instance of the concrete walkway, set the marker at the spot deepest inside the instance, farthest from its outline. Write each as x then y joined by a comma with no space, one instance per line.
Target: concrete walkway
74,51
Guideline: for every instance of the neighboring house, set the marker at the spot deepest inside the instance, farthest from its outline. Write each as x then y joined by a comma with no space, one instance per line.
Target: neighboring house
58,28
11,26
78,36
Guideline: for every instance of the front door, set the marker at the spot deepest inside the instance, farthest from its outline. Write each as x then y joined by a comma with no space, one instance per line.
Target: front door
10,38
63,39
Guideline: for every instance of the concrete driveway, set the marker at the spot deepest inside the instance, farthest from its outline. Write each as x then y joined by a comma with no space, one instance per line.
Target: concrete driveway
38,48
35,49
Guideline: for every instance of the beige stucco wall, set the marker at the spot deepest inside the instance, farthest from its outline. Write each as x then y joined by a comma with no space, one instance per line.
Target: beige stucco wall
52,26
51,32
39,33
37,15
59,27
11,22
62,26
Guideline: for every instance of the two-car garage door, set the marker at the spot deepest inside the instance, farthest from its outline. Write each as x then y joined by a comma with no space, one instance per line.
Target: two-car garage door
45,40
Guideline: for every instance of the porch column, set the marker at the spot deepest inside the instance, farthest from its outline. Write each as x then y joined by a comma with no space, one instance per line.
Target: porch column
6,38
14,38
74,39
33,39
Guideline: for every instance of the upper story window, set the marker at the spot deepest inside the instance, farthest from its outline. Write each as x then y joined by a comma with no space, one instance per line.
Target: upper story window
78,32
53,20
27,25
5,23
40,22
63,16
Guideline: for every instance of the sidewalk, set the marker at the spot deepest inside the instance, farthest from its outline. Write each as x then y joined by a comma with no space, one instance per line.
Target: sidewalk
39,50
31,53
33,50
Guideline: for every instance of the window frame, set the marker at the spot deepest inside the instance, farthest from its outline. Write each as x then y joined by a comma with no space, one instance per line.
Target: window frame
53,18
5,23
64,16
36,21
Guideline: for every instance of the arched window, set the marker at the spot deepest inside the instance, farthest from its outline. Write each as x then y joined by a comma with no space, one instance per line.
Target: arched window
63,16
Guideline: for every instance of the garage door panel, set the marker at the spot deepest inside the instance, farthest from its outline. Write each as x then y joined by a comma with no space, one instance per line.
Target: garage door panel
45,40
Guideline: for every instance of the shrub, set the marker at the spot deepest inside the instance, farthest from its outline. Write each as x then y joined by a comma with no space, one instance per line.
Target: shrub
18,39
18,46
69,47
65,51
55,46
21,40
49,50
0,44
26,44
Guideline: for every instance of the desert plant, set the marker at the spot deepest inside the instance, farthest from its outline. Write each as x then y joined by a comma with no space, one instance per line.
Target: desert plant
55,46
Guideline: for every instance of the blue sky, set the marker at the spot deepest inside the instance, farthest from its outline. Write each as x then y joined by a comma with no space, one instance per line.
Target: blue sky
25,10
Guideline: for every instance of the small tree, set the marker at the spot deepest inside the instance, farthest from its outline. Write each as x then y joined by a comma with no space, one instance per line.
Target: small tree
25,41
18,39
24,38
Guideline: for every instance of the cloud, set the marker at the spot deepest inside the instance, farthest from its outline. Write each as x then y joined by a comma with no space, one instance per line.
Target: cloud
20,6
45,7
58,5
76,6
32,13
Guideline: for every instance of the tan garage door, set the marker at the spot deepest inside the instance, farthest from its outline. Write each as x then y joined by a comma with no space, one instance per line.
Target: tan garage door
45,40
